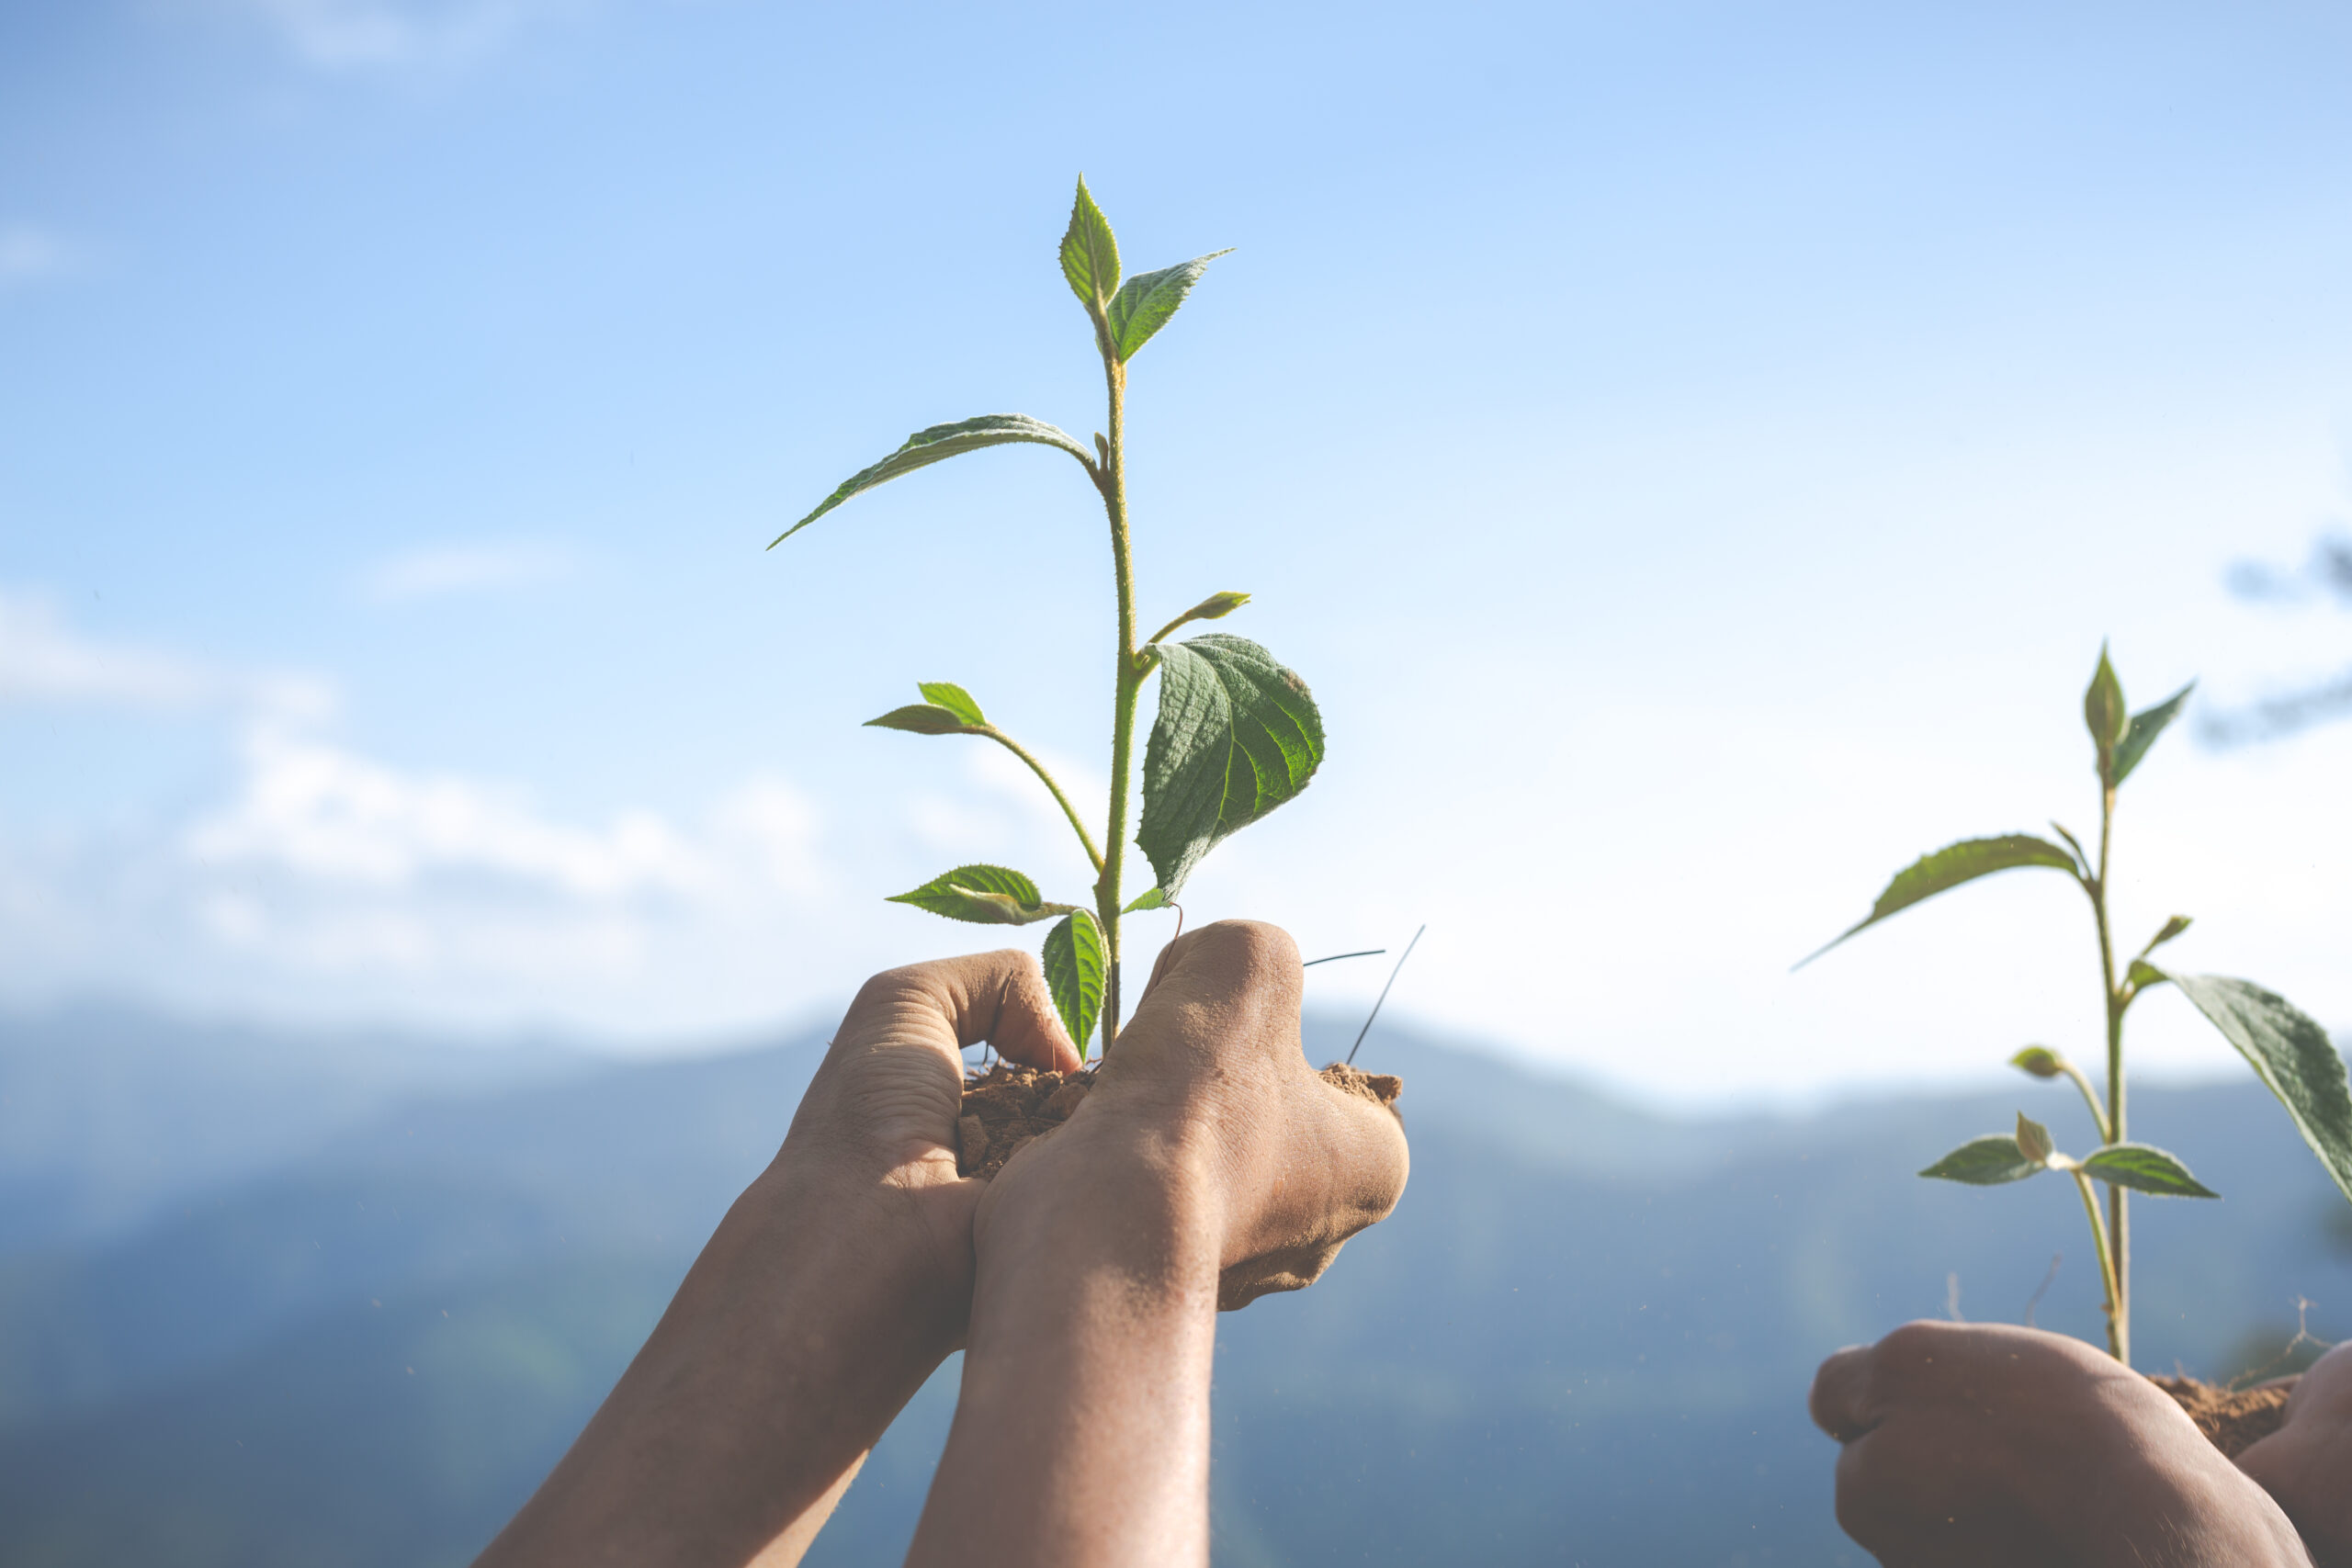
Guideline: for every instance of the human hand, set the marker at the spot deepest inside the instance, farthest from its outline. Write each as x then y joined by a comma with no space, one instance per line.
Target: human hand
1967,1444
2306,1464
875,1138
1209,1096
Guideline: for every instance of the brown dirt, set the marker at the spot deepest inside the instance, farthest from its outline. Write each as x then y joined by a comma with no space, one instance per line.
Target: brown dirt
1008,1105
2231,1422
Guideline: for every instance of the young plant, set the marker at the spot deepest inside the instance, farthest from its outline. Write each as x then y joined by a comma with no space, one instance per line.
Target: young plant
1237,734
2291,1054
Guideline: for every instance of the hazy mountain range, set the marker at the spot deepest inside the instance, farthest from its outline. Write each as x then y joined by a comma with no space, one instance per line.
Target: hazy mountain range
271,1299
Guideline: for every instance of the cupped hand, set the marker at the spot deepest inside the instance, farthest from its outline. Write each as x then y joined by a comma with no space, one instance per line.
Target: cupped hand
1209,1092
1967,1444
2306,1464
876,1133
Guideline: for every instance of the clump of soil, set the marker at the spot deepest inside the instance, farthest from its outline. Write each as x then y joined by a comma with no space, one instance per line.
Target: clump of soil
1007,1106
2232,1421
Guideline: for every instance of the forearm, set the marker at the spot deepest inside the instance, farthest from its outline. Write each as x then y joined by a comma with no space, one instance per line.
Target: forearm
1083,1434
794,1341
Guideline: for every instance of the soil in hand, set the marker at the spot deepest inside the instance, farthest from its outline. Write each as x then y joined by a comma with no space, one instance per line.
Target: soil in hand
2232,1421
1008,1105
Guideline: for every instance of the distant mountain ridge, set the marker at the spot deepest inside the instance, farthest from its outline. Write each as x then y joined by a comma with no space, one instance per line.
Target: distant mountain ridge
1583,1336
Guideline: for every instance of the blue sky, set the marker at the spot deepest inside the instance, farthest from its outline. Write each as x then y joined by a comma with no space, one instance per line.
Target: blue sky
1694,453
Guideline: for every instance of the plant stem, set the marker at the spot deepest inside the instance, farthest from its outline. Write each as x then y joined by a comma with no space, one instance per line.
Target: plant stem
2090,1097
1130,683
2107,1274
1038,768
2118,1221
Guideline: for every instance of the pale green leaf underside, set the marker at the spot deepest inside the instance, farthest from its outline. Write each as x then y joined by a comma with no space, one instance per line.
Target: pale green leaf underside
1090,251
1984,1162
2145,726
2290,1052
1948,868
1149,898
2033,1140
1237,736
2144,1167
984,894
920,718
954,698
1074,967
939,443
1144,302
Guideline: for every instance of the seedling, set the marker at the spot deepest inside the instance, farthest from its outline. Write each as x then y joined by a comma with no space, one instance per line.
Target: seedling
1237,734
2288,1052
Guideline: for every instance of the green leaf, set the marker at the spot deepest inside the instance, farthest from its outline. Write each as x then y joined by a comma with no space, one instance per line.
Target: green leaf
1144,302
2033,1140
2040,1061
922,718
2173,927
2146,1168
2103,712
1074,965
1090,252
954,698
1984,1162
939,443
2290,1053
1948,868
1150,898
2142,975
2144,730
984,894
1237,736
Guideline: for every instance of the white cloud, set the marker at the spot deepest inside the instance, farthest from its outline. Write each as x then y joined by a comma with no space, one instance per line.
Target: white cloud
347,35
30,253
330,817
462,568
42,660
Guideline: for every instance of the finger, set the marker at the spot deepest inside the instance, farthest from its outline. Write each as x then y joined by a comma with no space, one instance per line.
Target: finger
1839,1401
956,1002
1232,979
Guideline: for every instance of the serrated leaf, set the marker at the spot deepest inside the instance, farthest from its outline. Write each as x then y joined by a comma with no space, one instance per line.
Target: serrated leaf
984,894
2288,1052
2040,1061
1144,302
2144,1167
2103,711
1237,736
1984,1162
1090,252
954,698
1149,898
1074,966
939,443
920,718
2145,726
2033,1140
1947,869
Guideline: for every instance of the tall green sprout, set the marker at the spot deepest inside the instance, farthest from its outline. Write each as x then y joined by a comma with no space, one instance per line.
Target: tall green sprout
2290,1053
1235,736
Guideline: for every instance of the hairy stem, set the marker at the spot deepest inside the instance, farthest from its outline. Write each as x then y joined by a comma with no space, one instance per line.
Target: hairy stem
1130,683
2118,1333
2118,1216
1038,768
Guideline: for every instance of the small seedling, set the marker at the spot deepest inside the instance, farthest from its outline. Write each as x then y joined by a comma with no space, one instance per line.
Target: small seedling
1237,734
2290,1053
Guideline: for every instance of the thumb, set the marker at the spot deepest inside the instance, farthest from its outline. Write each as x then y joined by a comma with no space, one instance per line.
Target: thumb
1001,997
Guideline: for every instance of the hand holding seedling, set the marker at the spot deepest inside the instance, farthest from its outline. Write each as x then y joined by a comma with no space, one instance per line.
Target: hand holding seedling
1207,1165
2291,1054
1237,734
1966,1445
